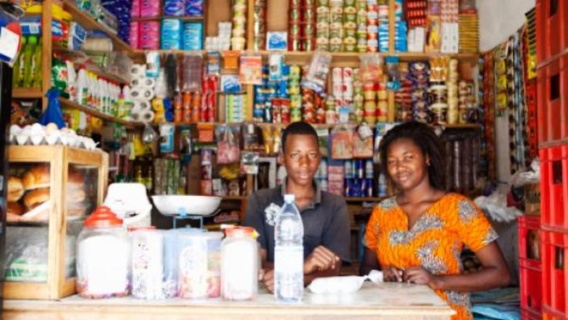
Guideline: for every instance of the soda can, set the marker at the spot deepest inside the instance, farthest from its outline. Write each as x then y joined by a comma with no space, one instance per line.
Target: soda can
295,114
293,44
348,187
363,188
348,168
295,14
295,30
295,3
310,3
309,30
369,188
309,14
308,44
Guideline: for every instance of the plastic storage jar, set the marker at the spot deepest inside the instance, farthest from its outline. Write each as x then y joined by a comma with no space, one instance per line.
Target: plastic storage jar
102,256
239,264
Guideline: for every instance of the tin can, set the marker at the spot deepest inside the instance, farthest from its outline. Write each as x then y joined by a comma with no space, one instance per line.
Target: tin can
295,114
293,44
360,167
309,14
309,30
276,111
348,186
295,14
308,44
295,3
348,169
369,190
295,30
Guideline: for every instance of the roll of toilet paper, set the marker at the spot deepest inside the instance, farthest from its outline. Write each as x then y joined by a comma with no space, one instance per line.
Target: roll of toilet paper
138,70
141,106
143,116
142,82
142,94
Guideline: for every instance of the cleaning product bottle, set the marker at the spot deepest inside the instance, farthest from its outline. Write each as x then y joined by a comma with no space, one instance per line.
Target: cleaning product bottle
29,61
82,87
17,65
22,65
37,76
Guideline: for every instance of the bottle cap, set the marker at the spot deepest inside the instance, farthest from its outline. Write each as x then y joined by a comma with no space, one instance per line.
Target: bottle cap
289,198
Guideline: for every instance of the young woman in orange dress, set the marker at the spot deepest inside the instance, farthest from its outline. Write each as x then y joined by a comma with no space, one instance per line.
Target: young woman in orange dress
418,234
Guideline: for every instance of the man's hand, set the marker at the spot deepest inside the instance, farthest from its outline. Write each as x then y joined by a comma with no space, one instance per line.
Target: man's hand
267,277
321,259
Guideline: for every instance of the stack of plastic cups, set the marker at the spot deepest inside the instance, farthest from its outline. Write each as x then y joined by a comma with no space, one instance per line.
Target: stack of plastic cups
358,99
294,93
259,28
238,40
372,26
361,31
294,26
349,26
336,25
322,25
453,92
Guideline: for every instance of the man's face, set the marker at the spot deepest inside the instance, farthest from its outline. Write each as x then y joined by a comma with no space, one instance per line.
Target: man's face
301,158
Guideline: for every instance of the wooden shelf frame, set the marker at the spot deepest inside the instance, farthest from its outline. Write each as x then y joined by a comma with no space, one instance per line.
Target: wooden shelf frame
27,93
160,18
66,103
89,23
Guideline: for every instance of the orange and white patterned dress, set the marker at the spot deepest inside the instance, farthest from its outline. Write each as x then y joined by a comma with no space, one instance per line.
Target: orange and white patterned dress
434,242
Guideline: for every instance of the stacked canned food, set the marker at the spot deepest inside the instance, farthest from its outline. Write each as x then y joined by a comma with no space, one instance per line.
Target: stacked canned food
294,92
418,76
349,26
302,25
259,26
238,39
361,33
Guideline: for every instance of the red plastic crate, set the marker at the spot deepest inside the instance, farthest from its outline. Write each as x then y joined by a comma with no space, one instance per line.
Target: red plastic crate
531,286
551,28
554,272
552,101
532,132
530,315
554,188
548,314
529,240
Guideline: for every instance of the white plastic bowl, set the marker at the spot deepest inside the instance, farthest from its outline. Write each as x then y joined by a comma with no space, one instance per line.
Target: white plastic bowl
173,205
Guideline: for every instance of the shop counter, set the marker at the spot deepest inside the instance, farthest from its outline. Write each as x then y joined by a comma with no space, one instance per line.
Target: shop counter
390,301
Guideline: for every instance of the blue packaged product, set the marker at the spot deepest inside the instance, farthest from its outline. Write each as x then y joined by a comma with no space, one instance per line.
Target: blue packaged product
174,8
194,8
192,36
171,34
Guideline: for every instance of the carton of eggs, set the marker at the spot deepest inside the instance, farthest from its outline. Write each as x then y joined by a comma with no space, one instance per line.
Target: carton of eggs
37,134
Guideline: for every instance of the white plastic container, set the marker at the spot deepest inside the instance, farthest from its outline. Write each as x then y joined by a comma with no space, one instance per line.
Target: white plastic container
103,256
240,264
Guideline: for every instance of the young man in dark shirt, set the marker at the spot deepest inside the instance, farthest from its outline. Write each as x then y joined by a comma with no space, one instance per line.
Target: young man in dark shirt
324,215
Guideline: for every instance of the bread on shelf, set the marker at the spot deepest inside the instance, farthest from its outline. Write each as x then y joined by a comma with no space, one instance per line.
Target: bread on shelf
15,189
37,177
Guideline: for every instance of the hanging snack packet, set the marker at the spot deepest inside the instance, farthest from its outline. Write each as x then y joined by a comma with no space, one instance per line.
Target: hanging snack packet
316,76
393,83
370,68
228,144
342,142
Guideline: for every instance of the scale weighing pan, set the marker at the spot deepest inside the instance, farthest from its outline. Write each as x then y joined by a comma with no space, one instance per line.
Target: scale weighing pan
181,205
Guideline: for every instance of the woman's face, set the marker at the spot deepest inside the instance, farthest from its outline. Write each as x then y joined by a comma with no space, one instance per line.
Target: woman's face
406,164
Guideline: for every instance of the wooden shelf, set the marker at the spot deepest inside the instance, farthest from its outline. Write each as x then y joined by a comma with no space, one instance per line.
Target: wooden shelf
89,23
27,93
95,113
75,55
159,18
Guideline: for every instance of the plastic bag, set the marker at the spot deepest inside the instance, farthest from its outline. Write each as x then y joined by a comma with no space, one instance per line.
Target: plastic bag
53,112
228,144
318,69
496,206
345,284
342,143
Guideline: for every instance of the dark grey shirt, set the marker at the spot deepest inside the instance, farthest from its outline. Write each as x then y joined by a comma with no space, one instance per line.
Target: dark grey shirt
326,221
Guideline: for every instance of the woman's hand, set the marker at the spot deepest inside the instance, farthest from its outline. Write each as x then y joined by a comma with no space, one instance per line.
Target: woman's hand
420,275
392,274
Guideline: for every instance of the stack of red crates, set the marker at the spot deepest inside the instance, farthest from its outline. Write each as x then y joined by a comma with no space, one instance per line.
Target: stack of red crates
552,114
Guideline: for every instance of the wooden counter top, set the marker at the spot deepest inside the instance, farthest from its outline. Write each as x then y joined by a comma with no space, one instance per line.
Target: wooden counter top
390,301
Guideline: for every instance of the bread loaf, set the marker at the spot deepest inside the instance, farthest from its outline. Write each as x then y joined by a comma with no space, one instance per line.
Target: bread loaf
15,189
37,177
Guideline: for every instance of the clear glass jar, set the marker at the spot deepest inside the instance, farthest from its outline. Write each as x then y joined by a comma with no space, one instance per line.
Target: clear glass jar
239,264
103,256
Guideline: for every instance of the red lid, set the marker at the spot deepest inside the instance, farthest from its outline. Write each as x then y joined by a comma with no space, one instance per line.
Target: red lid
103,217
240,230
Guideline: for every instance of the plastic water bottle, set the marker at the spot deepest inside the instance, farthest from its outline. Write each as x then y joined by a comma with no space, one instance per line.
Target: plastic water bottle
289,253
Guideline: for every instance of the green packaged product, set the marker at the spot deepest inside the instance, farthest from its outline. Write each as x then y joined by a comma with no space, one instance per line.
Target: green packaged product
59,76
